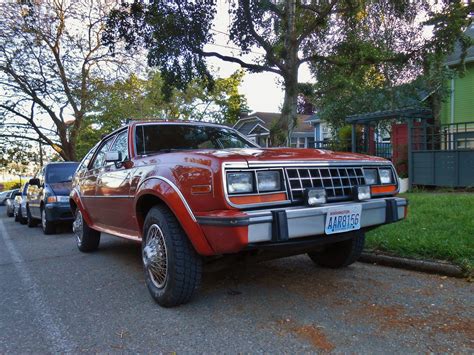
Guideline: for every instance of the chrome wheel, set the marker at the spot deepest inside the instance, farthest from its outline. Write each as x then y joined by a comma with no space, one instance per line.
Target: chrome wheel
77,227
155,257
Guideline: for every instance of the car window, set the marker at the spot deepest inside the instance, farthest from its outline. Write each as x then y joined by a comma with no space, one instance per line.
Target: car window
153,138
99,159
60,172
87,158
121,145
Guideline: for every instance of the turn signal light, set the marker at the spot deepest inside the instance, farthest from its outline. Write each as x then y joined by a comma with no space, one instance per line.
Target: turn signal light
383,189
51,199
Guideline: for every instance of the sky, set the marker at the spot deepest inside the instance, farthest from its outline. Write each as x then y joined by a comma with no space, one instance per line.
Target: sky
262,90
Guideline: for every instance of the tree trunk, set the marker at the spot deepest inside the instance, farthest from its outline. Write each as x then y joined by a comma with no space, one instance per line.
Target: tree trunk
287,121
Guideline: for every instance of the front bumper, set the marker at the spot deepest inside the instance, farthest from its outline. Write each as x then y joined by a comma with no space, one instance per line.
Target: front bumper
230,234
59,212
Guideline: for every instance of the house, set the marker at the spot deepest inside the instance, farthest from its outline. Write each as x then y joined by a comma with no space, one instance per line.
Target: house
459,106
257,126
322,131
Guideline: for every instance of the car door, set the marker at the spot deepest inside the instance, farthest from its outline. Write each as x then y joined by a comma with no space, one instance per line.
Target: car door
88,180
35,193
113,190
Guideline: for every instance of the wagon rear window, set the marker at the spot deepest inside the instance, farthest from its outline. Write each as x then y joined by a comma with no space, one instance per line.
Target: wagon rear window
165,137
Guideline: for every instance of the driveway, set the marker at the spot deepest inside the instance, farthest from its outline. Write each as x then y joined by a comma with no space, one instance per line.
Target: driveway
56,299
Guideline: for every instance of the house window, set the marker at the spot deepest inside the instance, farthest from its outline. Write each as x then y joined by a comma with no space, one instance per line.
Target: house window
464,140
298,142
301,142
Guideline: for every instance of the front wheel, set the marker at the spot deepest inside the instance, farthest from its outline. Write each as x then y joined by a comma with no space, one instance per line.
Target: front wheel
47,226
340,254
87,239
29,219
172,266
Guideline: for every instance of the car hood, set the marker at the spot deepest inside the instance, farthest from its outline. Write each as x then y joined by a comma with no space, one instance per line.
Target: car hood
61,188
284,155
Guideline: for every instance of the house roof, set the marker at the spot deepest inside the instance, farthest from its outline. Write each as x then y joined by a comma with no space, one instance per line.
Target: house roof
455,57
265,119
313,118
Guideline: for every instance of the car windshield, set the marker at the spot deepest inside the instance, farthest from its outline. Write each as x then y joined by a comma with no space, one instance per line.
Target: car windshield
60,173
153,138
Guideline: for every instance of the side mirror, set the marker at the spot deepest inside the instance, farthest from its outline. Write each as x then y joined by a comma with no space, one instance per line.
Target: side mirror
35,182
113,157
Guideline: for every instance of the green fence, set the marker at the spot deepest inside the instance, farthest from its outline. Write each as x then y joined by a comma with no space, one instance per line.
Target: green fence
442,155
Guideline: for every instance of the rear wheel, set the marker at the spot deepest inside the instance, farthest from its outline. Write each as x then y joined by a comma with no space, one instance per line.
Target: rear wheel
340,254
172,266
47,226
29,218
87,239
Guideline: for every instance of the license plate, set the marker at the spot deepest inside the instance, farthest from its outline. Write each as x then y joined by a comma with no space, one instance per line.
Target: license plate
343,219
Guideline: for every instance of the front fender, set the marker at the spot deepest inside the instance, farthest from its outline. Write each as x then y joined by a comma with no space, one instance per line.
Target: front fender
168,192
74,197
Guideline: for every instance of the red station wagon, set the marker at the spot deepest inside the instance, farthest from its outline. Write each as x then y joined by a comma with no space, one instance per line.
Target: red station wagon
194,192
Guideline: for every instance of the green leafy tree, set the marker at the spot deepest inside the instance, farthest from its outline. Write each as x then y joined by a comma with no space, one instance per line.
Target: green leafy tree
342,90
142,98
289,32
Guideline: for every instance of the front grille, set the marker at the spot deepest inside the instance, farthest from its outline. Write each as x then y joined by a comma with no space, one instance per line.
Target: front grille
338,182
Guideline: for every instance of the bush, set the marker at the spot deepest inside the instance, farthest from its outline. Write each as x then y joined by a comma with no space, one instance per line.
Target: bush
10,185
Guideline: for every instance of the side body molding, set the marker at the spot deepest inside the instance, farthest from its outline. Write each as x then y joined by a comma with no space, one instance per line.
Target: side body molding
169,193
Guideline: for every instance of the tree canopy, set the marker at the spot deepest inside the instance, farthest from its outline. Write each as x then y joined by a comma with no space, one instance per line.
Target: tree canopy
342,33
112,104
49,51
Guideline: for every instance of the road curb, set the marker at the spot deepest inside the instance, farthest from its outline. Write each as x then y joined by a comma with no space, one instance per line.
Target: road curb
431,267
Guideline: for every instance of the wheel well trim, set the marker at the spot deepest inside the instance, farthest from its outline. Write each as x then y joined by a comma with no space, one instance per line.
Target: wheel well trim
175,188
187,220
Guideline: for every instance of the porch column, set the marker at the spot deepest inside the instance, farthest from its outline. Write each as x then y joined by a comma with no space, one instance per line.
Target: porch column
354,138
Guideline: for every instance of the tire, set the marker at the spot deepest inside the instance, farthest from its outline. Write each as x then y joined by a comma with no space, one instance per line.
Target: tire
87,239
17,216
9,213
174,279
21,219
340,254
29,219
47,226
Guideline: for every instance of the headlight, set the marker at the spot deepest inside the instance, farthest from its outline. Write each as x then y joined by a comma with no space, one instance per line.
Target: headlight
268,181
386,176
370,176
241,182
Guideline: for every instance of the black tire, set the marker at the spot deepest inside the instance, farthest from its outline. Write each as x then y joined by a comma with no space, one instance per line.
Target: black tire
21,219
182,265
47,226
340,254
87,239
29,219
9,213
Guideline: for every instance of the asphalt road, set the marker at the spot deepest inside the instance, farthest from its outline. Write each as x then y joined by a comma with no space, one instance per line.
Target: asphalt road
56,299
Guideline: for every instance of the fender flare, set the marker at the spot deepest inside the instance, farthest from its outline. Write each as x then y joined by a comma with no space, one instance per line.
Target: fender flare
171,196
